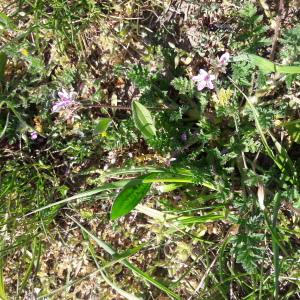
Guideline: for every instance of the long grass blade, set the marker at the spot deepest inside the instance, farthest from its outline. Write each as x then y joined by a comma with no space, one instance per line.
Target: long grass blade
275,246
5,126
83,195
125,262
118,289
3,295
282,161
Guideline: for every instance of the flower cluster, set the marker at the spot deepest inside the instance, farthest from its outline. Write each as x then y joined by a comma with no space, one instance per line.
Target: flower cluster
205,79
66,106
66,101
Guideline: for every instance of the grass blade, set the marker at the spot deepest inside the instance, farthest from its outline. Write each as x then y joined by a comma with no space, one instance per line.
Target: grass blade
200,219
125,262
3,295
117,258
118,289
275,246
105,187
5,126
35,254
3,61
282,161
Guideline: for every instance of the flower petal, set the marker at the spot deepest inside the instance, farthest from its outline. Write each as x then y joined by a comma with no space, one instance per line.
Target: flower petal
196,78
212,77
202,74
209,84
63,96
59,105
56,108
224,59
33,135
201,85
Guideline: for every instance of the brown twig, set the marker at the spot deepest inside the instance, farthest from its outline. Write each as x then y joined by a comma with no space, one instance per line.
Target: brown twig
123,107
277,29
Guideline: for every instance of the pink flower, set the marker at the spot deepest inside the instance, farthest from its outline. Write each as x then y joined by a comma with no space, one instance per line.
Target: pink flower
65,96
224,59
203,80
66,100
33,135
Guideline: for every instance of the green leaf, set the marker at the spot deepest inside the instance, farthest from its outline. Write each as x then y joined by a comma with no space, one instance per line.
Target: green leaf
200,219
184,86
293,129
3,60
131,195
166,188
288,69
6,21
102,125
143,120
267,66
178,179
171,178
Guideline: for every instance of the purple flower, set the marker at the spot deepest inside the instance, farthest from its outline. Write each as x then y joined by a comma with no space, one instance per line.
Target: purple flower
59,105
183,137
64,95
224,59
33,135
66,100
203,80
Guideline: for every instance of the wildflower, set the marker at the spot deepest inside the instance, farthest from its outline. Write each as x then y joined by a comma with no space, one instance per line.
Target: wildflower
224,59
33,135
64,95
66,100
183,137
203,80
24,52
